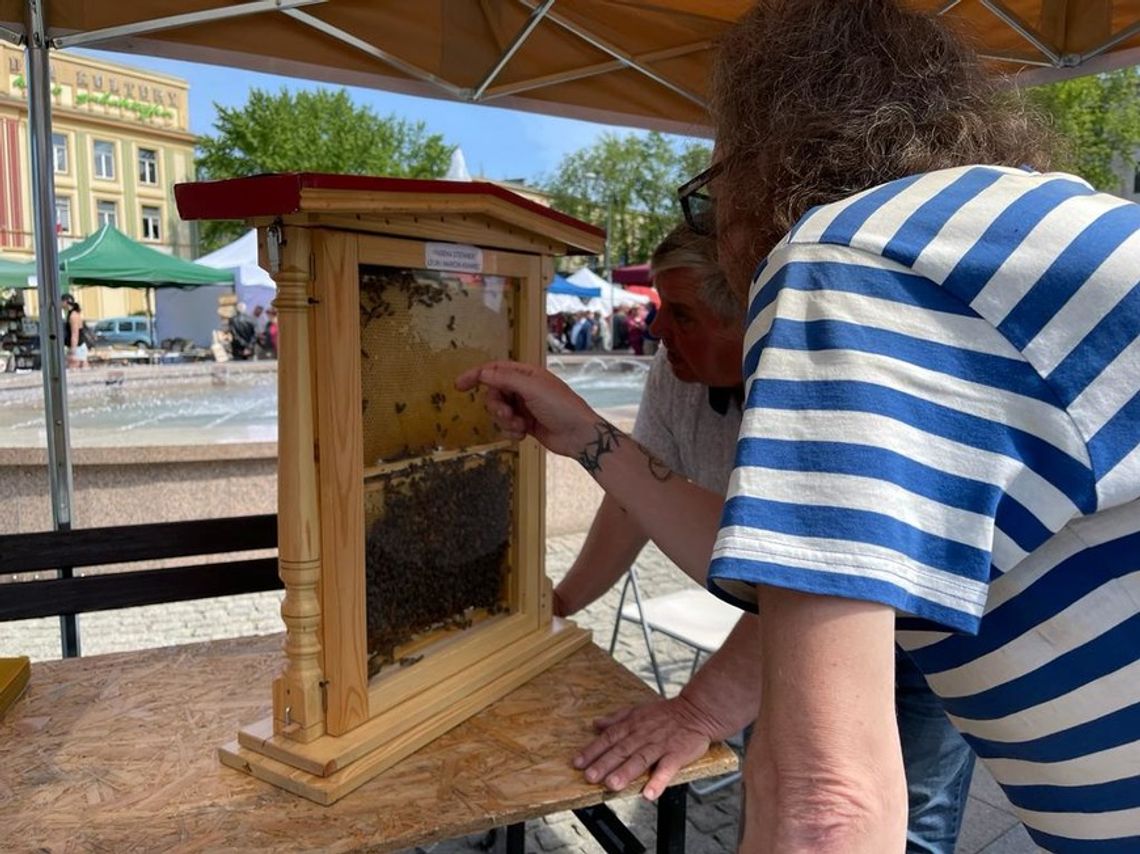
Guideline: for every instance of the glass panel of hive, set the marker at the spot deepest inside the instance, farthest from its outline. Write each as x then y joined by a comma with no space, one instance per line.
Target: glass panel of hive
419,330
439,479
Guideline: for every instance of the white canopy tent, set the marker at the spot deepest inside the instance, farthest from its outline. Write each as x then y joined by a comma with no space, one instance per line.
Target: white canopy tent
564,303
612,297
193,314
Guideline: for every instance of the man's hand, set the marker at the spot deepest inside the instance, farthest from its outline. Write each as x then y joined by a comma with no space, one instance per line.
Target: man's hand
527,400
664,736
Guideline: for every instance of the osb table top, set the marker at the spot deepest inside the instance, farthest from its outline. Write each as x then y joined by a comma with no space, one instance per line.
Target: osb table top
117,753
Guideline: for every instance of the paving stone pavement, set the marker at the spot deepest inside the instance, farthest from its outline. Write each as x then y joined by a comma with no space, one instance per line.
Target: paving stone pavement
989,826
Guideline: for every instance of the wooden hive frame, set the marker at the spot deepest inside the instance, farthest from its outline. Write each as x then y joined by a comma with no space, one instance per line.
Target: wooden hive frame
331,730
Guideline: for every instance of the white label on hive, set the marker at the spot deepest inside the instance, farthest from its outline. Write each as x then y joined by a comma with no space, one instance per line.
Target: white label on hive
493,287
453,257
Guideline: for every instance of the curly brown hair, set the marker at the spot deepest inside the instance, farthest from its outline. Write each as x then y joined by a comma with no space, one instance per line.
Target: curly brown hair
815,100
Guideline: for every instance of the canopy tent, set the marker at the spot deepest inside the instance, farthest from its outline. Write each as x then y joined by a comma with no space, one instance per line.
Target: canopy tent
111,259
634,274
645,291
642,63
15,274
560,285
193,314
563,304
611,296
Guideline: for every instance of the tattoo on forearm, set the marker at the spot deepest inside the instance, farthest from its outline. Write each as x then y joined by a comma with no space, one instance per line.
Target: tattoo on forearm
657,467
608,438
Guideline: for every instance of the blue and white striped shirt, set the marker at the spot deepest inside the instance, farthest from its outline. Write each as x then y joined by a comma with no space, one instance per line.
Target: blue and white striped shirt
943,415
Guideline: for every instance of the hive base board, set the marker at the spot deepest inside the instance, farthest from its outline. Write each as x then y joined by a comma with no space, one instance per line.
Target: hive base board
319,770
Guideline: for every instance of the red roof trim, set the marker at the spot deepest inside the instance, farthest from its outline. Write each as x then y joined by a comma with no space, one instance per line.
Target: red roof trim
280,194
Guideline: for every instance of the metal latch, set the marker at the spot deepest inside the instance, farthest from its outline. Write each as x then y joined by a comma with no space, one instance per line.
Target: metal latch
273,243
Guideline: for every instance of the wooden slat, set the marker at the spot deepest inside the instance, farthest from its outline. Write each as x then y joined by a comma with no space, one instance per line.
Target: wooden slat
340,433
27,600
127,543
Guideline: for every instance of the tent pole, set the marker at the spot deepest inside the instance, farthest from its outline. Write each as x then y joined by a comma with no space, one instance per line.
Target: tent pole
150,316
47,283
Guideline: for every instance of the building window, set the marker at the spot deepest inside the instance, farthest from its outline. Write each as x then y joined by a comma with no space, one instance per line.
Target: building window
1136,180
107,213
105,159
63,214
148,166
59,153
150,223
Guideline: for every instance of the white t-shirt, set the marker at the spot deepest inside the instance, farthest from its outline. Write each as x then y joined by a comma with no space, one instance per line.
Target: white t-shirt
676,423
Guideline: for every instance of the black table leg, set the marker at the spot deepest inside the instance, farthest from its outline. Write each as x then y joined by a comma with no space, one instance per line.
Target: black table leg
516,838
671,820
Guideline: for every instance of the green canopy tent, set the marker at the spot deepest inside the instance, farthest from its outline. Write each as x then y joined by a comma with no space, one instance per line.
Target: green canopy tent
15,274
111,259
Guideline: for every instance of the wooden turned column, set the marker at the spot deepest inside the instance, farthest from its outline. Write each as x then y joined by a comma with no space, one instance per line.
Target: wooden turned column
297,693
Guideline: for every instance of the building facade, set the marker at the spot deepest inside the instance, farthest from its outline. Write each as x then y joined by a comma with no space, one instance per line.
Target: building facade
120,142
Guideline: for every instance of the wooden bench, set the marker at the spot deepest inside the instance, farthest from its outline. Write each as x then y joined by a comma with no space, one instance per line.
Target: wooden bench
70,594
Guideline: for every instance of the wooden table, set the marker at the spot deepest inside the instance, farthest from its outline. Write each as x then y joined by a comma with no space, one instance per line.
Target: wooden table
117,753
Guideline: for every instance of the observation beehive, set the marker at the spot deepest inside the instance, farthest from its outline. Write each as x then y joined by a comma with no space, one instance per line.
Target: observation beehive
410,532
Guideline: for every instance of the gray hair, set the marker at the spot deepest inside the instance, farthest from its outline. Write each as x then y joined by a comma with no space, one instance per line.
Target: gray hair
683,248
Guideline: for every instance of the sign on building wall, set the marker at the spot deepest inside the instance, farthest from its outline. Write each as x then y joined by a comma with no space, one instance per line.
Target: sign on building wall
105,90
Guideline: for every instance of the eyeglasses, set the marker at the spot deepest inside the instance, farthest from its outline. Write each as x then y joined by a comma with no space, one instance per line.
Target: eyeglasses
697,202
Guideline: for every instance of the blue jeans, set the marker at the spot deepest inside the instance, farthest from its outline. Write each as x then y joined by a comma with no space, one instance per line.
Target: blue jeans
938,763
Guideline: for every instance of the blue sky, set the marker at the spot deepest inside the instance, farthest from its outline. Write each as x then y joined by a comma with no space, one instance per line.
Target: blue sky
496,143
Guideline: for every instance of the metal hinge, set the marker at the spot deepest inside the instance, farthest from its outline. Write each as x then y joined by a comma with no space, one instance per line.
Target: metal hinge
273,242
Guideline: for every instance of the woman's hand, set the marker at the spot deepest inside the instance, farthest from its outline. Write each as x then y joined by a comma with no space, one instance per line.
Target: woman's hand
659,738
528,400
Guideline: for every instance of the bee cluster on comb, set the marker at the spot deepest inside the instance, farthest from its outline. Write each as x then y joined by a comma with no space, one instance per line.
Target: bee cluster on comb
437,547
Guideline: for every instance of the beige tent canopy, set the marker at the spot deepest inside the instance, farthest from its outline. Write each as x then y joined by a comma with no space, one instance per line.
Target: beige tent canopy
643,63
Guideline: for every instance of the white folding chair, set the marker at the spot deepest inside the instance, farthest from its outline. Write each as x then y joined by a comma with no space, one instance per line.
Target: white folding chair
692,617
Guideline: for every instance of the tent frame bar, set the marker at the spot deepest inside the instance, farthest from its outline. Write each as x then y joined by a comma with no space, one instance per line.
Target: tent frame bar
536,16
170,22
1111,42
11,36
375,52
617,53
1002,12
1016,60
590,71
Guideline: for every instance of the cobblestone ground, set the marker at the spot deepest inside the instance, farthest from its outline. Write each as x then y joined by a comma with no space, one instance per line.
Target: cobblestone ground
989,826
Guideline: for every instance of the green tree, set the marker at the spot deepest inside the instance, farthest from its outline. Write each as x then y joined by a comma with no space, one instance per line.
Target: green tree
312,131
627,184
1098,119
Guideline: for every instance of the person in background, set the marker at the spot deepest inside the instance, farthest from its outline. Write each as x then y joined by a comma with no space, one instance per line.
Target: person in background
649,345
271,331
621,330
243,334
76,335
602,338
689,418
636,331
260,322
582,333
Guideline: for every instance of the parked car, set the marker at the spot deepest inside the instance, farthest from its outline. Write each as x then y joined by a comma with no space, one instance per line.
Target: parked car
122,332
